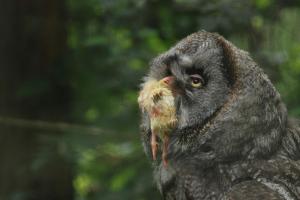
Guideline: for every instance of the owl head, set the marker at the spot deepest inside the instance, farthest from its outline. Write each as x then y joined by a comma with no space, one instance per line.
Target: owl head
226,106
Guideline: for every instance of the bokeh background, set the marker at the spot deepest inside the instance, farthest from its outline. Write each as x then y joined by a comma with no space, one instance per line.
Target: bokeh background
69,76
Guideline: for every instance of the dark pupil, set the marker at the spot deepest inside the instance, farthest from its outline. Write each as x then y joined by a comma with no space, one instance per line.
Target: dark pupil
196,80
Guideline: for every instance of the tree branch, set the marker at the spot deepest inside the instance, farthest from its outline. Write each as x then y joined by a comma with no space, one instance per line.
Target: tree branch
54,126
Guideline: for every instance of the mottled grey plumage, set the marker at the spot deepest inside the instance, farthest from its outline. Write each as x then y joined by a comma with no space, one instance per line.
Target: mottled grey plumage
233,139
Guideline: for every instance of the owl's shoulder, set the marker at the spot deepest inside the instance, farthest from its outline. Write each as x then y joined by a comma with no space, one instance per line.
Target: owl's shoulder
251,190
291,140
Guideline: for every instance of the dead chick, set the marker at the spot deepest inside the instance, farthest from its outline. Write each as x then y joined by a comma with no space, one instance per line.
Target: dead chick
157,99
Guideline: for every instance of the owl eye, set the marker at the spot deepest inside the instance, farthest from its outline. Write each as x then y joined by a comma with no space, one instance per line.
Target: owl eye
196,81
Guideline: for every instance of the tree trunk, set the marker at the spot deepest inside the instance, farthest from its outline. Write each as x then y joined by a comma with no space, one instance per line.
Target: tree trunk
33,42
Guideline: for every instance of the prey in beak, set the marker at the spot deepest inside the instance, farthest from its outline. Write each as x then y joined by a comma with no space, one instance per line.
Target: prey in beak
157,99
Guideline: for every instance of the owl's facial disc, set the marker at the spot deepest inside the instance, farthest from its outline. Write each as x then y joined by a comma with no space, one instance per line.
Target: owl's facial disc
201,86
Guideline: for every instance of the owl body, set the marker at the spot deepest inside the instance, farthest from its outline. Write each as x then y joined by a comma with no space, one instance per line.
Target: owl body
233,138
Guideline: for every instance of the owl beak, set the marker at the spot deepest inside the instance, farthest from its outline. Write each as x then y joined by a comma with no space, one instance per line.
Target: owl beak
168,80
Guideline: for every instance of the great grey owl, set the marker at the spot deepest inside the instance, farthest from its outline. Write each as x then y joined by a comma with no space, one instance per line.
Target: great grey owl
233,139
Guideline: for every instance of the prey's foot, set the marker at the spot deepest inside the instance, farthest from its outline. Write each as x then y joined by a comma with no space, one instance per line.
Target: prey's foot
153,145
165,150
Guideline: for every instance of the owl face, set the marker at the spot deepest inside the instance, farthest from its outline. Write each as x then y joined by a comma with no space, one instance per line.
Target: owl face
200,83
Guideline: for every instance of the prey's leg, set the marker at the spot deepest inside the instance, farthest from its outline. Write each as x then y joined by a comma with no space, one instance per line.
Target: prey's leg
165,150
153,145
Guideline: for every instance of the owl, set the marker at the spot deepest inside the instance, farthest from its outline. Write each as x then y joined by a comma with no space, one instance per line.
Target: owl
233,138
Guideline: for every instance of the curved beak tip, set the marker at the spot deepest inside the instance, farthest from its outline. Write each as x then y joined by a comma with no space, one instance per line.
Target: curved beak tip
167,80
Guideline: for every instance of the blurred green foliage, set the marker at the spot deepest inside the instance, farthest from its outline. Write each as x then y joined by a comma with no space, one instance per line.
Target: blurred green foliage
109,46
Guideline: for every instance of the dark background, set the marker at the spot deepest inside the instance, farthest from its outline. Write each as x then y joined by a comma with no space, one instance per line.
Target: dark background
69,76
